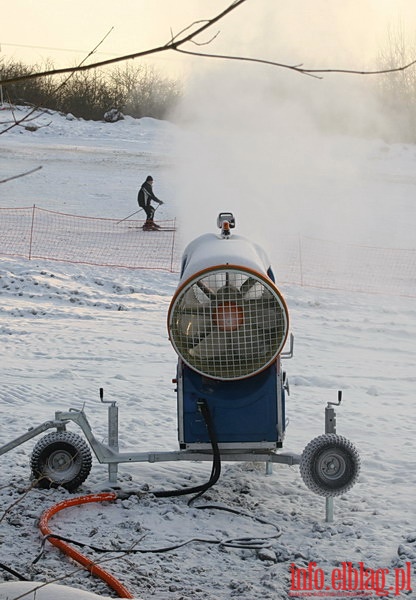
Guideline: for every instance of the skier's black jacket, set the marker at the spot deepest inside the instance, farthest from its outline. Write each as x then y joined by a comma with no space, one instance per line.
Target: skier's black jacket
146,194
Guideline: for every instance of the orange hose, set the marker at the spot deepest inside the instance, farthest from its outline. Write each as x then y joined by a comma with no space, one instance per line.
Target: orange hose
90,565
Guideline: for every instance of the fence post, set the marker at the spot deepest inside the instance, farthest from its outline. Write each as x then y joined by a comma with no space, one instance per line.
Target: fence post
300,260
173,246
31,232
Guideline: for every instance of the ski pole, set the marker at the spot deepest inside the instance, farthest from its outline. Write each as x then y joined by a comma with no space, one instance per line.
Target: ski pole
125,218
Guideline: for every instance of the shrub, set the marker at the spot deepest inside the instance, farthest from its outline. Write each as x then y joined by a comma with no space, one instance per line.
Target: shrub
136,91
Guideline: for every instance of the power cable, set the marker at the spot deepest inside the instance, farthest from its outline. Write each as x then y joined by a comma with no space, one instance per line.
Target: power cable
13,572
54,49
63,543
86,562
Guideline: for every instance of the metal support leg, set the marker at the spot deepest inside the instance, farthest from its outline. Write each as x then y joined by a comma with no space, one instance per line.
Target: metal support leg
329,510
113,440
112,435
331,427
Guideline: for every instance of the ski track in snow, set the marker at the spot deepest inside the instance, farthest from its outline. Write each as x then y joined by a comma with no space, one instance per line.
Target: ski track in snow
66,331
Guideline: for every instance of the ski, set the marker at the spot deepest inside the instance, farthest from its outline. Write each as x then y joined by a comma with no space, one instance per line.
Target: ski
155,229
161,229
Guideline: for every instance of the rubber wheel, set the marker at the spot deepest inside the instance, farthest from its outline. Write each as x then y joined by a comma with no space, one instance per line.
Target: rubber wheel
330,465
62,459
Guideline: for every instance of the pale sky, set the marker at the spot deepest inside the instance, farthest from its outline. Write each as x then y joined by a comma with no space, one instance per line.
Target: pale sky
335,33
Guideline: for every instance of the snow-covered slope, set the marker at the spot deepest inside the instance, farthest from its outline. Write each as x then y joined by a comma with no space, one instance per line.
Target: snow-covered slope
67,330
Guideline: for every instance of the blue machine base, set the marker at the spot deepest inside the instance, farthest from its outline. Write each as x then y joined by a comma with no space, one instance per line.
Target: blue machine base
242,411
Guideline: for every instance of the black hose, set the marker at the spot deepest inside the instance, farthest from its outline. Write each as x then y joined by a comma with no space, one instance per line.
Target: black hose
215,471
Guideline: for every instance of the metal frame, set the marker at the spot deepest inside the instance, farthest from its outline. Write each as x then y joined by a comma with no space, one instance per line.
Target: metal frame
110,455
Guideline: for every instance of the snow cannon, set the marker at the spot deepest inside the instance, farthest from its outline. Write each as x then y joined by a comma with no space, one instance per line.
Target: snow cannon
228,323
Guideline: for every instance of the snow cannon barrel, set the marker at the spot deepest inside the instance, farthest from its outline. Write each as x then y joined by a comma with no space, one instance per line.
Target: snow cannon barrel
227,320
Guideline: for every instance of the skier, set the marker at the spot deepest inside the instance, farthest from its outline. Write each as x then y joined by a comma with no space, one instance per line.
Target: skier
144,198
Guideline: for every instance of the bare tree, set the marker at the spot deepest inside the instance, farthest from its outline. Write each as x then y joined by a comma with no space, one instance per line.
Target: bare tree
145,92
397,91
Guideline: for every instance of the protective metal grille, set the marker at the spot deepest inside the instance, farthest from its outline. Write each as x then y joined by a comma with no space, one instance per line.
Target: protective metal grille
228,324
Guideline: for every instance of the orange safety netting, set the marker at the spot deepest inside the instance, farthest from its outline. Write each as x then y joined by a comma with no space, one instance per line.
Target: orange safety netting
311,262
35,233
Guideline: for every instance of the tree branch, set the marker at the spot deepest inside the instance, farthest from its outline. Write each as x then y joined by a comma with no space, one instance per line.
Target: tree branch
17,177
171,45
247,59
298,68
